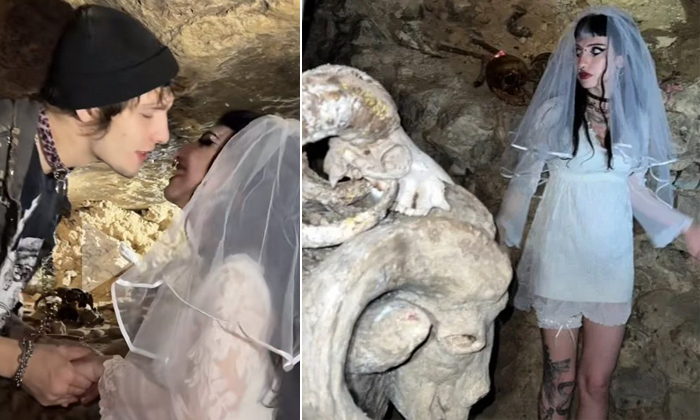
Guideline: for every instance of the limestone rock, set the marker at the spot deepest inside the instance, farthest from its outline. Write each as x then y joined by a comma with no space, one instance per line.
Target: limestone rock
636,388
682,404
689,178
87,252
663,310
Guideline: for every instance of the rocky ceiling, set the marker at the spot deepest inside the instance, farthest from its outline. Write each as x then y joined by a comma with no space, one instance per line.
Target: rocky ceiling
233,54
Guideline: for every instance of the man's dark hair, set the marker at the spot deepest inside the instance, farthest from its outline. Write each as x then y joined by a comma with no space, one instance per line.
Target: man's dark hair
105,60
29,33
106,113
237,120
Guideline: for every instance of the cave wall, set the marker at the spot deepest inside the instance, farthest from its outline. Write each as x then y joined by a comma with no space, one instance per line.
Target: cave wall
464,129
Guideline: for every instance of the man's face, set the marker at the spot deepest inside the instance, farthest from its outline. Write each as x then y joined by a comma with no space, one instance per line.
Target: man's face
134,133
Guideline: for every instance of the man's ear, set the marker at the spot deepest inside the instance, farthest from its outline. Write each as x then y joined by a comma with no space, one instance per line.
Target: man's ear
87,116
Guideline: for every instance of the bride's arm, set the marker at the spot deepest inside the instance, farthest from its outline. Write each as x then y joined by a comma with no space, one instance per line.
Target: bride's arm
230,375
661,222
220,373
126,393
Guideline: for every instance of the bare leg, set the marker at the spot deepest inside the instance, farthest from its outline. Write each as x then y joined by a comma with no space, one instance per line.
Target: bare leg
601,346
559,375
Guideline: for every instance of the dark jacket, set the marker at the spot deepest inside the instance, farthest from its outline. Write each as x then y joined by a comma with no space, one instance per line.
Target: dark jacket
18,129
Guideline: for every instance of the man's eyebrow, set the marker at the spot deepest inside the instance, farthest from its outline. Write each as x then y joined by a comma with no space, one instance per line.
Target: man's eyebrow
162,107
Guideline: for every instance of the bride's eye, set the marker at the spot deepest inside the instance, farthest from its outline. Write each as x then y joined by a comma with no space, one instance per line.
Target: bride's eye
206,140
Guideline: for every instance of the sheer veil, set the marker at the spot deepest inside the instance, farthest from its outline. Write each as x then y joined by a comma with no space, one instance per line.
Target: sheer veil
243,221
638,123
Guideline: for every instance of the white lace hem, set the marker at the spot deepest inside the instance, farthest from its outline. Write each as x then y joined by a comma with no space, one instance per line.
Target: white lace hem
561,312
108,390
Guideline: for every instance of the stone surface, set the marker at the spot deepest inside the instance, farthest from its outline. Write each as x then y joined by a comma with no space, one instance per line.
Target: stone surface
682,404
637,388
87,253
689,179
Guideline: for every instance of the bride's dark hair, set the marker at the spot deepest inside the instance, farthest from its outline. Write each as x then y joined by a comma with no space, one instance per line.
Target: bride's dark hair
590,26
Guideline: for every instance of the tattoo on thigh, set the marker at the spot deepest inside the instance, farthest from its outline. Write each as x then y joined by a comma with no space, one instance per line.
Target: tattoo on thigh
556,396
566,391
545,413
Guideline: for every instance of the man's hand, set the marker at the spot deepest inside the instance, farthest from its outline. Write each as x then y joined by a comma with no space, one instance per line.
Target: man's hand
692,240
52,379
91,367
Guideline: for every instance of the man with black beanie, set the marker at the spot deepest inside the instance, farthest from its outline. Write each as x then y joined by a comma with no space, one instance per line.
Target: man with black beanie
106,99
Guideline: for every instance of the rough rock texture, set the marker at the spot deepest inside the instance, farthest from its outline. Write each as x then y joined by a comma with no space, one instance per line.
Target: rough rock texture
465,129
87,252
403,260
232,55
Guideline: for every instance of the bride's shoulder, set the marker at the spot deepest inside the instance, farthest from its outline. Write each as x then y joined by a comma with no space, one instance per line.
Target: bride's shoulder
241,275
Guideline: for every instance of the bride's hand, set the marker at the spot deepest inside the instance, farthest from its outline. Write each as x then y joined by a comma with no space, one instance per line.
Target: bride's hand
692,240
91,367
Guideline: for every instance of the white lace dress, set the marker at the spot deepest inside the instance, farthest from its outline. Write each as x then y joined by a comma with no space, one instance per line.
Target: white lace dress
578,257
225,376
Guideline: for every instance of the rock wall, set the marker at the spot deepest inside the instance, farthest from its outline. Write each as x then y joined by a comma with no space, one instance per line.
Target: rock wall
87,253
464,129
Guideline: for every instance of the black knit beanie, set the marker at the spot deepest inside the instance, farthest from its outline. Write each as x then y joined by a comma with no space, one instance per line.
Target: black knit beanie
106,57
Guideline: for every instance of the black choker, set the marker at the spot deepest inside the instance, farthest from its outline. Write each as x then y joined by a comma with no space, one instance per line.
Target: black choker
598,98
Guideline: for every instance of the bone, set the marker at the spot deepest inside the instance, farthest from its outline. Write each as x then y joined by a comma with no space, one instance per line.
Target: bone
423,188
317,233
398,305
386,335
316,188
367,140
345,102
436,257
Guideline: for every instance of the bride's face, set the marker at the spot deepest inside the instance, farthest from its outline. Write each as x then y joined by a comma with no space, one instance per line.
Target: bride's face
592,61
193,162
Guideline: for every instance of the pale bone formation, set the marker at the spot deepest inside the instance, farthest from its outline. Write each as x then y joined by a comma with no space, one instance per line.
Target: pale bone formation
398,306
368,146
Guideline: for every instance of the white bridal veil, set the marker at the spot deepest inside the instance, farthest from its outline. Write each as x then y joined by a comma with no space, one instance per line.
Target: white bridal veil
638,125
242,224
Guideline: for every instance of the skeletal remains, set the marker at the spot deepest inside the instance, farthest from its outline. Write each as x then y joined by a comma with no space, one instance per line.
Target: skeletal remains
402,276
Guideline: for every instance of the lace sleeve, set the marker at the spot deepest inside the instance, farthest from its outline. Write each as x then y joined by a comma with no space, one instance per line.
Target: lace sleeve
127,394
229,376
661,222
524,161
515,207
226,376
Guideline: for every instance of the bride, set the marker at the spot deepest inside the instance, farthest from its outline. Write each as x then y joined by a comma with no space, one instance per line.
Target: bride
211,313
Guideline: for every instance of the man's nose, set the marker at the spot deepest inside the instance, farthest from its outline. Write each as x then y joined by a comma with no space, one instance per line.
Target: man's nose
162,133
